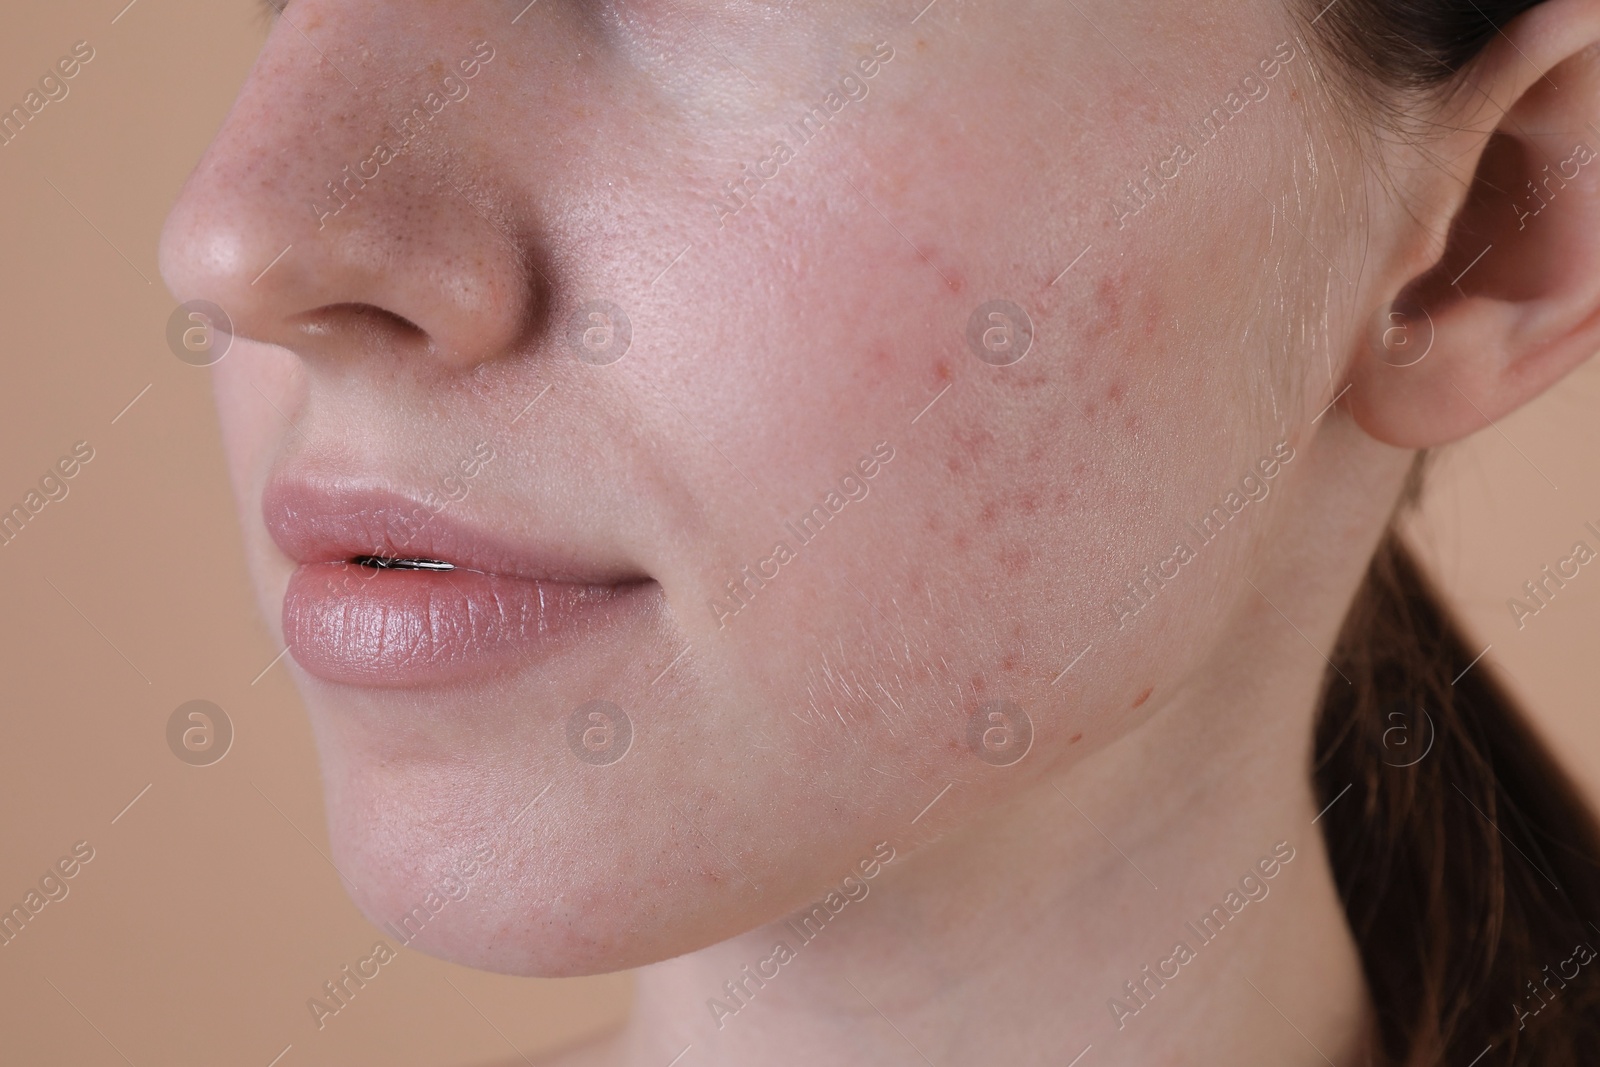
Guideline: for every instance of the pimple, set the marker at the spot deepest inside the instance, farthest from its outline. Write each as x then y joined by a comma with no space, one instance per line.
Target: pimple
1144,696
1015,562
1074,739
974,442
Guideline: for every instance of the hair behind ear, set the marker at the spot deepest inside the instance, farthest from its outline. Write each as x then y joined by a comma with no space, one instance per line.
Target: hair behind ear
1470,877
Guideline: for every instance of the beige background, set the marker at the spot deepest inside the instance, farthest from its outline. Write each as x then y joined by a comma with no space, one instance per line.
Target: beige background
209,913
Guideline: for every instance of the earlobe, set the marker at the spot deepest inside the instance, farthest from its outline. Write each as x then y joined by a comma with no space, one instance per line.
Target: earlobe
1513,302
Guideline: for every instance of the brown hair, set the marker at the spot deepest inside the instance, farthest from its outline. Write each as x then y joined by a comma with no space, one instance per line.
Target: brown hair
1464,855
1469,873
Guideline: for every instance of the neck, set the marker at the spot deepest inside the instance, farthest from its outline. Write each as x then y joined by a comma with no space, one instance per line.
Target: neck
1167,899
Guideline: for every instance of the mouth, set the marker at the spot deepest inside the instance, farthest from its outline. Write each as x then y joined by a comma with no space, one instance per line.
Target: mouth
391,593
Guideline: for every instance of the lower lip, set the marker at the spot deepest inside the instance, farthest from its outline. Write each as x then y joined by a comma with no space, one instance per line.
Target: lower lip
403,628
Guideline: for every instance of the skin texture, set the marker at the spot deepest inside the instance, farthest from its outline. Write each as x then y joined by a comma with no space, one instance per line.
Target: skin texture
773,347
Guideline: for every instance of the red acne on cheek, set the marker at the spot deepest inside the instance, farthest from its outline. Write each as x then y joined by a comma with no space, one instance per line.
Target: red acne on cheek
1015,562
1144,696
1074,739
1105,310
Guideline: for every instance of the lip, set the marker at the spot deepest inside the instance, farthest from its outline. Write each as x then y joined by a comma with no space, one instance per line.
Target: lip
505,604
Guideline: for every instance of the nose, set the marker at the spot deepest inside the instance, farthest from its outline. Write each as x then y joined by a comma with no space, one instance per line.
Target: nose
319,223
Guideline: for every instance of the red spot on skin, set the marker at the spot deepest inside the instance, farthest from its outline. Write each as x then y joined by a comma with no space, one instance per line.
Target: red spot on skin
961,542
1027,503
1108,297
978,684
1144,696
1074,739
1009,663
955,281
1131,423
1115,394
989,515
953,465
1015,562
941,372
973,442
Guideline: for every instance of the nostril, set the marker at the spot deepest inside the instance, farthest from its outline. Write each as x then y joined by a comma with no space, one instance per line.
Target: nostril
358,320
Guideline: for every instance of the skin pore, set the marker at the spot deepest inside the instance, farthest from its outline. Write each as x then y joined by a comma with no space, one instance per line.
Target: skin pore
998,557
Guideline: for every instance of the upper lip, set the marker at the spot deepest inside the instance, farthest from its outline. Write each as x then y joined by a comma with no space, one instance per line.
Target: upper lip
326,521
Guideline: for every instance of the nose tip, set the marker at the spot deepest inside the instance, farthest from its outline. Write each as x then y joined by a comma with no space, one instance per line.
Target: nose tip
293,228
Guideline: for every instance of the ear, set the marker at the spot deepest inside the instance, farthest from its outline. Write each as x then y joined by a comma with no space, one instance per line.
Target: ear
1511,302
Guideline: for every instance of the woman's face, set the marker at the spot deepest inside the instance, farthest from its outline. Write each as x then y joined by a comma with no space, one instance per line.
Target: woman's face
688,331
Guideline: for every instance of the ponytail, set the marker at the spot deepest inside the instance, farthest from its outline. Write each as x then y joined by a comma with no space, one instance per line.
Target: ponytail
1464,855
